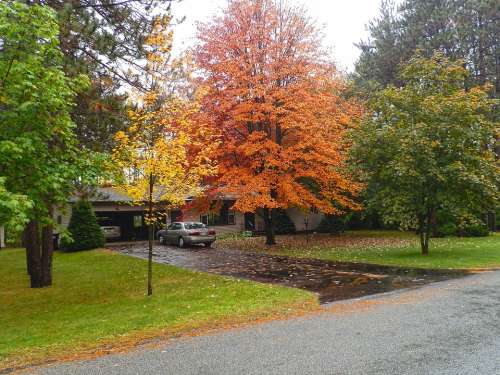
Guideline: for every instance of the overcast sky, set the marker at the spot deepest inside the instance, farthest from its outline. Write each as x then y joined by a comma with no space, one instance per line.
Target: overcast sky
344,23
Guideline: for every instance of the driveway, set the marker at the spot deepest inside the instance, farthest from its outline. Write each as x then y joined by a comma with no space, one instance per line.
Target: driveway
332,281
451,327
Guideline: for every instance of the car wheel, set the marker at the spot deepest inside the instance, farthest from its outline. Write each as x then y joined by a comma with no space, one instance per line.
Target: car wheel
181,242
208,244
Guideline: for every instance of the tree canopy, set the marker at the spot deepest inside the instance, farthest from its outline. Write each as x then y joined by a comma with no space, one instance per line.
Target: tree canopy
428,146
38,155
276,102
461,29
105,41
163,156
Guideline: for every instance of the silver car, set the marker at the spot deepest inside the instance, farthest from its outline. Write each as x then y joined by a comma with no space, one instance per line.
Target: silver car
111,232
187,233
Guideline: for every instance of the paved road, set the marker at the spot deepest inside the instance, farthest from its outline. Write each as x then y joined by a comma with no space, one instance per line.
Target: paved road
451,327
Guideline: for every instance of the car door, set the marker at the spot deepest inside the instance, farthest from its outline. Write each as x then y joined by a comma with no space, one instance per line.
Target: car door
173,232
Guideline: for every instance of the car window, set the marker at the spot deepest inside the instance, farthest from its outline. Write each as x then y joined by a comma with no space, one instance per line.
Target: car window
195,225
175,226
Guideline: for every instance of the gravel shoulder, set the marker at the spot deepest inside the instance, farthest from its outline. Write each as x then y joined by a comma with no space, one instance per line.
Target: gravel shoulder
450,327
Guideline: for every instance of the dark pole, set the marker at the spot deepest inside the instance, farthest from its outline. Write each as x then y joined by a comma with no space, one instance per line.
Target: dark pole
150,236
306,223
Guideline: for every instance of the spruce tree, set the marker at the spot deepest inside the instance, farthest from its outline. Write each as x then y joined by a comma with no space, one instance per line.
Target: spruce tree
282,223
84,229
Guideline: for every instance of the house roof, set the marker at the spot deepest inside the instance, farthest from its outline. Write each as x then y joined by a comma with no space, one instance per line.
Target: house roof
105,194
110,194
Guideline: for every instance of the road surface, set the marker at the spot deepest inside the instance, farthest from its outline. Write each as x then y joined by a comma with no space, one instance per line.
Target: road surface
450,327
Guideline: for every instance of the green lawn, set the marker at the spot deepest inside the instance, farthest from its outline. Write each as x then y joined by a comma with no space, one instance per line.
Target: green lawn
98,299
384,247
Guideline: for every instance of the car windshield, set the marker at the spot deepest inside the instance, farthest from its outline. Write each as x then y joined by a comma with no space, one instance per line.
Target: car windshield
194,225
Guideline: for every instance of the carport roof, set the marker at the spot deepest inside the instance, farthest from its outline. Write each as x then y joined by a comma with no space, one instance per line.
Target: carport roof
110,194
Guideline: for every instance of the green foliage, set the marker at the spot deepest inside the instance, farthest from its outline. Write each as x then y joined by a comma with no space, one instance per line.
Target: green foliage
14,208
462,225
333,224
282,223
466,30
38,154
471,226
428,146
85,232
106,43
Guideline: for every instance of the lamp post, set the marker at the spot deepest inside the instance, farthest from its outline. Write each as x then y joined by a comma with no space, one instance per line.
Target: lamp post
306,225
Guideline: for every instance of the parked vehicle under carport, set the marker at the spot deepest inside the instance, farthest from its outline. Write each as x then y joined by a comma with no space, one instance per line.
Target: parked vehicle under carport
187,233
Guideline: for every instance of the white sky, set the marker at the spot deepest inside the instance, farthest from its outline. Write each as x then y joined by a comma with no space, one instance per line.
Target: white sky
344,23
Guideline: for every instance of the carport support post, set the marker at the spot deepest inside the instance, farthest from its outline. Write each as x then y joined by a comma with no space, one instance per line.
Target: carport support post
150,236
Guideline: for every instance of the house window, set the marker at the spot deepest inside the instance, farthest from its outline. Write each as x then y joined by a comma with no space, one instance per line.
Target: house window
59,219
224,216
231,217
137,221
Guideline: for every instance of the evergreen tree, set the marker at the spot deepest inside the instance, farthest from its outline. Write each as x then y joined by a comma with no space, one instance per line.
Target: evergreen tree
85,232
332,224
282,222
461,29
105,41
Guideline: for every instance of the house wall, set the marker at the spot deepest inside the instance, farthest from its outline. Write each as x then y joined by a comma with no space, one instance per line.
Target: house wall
239,220
63,214
298,216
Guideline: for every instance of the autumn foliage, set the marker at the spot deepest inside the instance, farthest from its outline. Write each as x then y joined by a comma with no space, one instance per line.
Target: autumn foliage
163,156
276,102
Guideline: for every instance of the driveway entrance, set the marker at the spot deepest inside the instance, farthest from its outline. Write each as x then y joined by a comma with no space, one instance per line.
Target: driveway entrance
332,281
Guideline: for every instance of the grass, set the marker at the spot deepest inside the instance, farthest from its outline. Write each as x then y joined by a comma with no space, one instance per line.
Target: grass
384,247
98,300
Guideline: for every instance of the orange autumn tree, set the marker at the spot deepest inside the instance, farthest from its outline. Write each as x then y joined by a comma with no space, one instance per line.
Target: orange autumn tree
275,99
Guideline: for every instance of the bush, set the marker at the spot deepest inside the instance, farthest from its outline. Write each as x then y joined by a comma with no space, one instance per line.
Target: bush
463,225
332,224
83,228
474,230
447,229
282,223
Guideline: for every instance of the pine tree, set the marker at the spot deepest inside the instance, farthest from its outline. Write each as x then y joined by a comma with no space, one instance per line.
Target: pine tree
466,29
103,40
85,232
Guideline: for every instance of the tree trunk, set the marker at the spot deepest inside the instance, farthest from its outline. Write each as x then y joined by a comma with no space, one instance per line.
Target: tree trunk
24,244
33,254
150,236
425,229
269,226
47,252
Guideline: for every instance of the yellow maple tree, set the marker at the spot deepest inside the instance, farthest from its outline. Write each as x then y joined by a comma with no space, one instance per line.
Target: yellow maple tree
163,156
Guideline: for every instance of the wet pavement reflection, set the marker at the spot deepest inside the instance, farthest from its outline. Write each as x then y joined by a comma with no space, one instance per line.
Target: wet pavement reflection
332,281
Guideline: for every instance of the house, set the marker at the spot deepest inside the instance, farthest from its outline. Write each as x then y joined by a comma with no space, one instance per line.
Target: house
114,209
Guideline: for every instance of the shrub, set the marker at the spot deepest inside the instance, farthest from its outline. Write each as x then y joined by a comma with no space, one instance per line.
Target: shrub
474,230
282,223
445,230
332,224
83,228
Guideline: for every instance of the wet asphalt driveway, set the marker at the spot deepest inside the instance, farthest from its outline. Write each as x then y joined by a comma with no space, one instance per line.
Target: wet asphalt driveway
332,281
